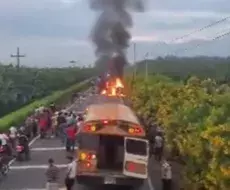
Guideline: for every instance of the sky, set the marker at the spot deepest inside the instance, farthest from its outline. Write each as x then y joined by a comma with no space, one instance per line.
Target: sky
51,33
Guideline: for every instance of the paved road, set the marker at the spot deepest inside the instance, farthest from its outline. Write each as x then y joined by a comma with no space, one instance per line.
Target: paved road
30,175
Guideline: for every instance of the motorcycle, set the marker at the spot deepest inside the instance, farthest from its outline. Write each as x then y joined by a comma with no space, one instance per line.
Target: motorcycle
42,133
20,151
4,167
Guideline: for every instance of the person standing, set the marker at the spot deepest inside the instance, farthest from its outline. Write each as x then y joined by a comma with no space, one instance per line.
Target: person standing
71,173
60,121
158,145
34,126
43,123
13,136
166,172
52,174
71,133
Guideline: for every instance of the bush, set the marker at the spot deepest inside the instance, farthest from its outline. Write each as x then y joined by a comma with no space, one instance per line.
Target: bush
196,119
20,115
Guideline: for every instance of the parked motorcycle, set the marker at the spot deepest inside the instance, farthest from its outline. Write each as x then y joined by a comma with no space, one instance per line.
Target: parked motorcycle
4,167
20,152
42,133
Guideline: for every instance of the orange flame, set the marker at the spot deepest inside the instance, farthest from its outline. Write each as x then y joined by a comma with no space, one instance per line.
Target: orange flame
114,88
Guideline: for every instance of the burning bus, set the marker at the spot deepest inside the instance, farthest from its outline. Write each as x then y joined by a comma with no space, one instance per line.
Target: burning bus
112,148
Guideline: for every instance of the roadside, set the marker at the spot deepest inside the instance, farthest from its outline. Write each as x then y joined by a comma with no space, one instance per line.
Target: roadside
31,174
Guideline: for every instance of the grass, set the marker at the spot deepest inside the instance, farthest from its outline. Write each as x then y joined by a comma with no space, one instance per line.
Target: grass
20,115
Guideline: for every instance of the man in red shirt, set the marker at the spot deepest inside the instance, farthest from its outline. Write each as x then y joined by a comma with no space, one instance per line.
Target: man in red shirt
43,124
71,133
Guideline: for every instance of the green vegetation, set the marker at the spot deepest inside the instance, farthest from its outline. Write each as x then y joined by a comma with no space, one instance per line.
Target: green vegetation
182,68
195,116
23,86
19,116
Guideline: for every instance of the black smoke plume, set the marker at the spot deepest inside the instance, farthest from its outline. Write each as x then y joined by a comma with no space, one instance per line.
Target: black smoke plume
110,33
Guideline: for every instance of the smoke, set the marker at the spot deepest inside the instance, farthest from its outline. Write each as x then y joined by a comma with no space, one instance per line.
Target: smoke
110,33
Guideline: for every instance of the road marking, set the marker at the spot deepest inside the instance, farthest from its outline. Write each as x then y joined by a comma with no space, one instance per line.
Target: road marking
30,144
33,140
62,188
50,148
35,167
150,184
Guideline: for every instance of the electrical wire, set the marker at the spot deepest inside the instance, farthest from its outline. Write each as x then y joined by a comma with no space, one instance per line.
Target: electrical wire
200,44
197,30
201,29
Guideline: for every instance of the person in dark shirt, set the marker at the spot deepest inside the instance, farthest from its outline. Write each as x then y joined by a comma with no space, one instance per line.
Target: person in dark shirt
60,121
52,174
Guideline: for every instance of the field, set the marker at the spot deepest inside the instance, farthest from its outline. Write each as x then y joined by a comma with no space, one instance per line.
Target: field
195,116
19,87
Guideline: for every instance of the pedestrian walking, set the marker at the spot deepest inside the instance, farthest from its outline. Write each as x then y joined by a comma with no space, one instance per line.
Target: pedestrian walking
166,172
52,174
71,173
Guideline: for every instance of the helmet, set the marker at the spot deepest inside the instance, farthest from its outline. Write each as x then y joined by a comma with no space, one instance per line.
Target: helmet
22,129
12,127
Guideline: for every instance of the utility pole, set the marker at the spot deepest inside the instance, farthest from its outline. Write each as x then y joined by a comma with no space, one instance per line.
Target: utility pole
146,67
134,59
18,56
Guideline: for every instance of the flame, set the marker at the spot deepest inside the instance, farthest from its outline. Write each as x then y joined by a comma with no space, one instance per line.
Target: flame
114,88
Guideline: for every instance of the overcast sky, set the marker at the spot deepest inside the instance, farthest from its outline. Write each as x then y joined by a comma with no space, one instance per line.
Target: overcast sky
53,32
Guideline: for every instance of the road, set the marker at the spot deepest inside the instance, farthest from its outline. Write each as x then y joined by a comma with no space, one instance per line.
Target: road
30,175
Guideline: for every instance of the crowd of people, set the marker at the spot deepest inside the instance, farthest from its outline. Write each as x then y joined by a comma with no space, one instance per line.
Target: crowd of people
48,123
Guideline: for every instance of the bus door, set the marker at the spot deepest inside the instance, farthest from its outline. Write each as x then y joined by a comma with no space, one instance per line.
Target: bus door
136,157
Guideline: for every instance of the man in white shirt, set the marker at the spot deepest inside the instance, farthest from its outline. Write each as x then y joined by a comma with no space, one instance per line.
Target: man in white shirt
166,175
3,141
13,135
71,173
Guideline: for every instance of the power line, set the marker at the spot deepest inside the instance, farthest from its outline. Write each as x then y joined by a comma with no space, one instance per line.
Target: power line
198,30
201,29
200,44
193,32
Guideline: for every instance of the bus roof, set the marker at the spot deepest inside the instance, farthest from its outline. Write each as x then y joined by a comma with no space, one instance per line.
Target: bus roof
111,111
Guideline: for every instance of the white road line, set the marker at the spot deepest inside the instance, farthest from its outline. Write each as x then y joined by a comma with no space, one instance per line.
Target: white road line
49,148
35,167
33,140
62,188
30,144
150,184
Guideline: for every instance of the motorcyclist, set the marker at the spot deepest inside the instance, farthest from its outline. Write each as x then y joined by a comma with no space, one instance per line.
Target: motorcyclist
24,142
13,136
